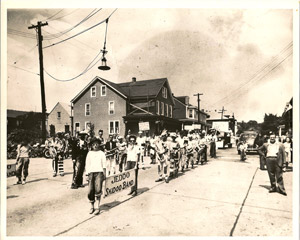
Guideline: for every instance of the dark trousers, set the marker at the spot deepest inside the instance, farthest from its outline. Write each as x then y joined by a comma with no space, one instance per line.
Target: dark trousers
131,165
262,162
213,149
95,185
22,166
80,165
122,161
275,174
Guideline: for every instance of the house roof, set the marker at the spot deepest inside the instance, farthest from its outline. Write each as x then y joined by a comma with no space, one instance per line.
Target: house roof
138,89
142,88
66,106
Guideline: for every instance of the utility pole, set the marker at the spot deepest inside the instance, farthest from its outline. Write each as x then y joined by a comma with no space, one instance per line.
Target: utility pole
40,39
198,96
222,112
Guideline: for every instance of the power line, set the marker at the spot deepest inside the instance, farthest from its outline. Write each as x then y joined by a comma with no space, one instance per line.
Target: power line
23,69
59,34
64,15
262,77
81,31
84,71
15,62
54,15
265,67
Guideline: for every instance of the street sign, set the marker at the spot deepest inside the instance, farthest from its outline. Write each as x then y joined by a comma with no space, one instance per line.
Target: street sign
119,182
144,126
11,170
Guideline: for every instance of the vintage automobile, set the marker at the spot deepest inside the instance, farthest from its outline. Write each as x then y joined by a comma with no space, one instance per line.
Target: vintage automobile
249,138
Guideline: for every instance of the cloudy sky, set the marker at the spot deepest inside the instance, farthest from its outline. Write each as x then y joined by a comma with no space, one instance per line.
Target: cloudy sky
238,58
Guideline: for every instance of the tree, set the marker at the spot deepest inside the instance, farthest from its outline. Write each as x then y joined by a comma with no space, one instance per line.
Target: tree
271,123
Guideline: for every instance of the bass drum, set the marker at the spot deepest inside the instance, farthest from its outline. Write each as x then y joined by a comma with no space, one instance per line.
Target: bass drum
47,153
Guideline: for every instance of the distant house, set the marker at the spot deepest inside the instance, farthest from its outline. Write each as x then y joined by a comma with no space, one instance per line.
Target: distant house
59,119
115,108
187,114
23,119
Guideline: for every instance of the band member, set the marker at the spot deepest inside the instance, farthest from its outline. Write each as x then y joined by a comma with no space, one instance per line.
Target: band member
110,151
57,149
141,142
100,136
174,155
276,157
152,149
82,150
162,157
122,153
96,174
133,155
203,148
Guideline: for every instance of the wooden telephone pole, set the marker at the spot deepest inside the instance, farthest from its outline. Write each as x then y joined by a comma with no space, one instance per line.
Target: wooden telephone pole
222,112
40,39
198,96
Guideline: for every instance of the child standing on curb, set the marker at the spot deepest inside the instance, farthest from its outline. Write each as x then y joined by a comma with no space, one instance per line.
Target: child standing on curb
96,172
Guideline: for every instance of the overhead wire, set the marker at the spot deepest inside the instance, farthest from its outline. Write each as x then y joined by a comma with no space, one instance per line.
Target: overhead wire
63,16
59,34
81,31
260,71
54,15
273,68
23,69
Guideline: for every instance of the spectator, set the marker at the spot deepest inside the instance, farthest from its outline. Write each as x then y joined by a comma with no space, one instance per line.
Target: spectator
22,163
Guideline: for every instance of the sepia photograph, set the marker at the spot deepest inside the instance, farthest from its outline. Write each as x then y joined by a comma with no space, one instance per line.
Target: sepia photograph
132,120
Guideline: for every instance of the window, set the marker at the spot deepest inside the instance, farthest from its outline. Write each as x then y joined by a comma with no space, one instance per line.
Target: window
114,127
111,108
93,91
87,109
77,127
171,111
162,108
164,92
167,110
58,115
157,107
103,90
191,115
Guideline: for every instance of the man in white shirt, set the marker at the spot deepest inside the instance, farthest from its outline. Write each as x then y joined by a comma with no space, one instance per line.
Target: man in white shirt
141,142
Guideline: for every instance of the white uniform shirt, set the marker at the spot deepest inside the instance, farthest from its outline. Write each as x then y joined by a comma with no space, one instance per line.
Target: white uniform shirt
95,161
132,153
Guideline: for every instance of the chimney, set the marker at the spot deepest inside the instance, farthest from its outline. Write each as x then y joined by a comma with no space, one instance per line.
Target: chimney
134,79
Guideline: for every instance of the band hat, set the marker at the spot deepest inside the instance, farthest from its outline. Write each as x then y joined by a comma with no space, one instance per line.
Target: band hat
83,133
96,140
132,138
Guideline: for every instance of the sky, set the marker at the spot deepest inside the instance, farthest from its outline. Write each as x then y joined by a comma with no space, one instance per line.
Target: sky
240,59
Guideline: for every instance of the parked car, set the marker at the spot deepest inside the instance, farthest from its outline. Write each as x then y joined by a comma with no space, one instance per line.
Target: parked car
249,138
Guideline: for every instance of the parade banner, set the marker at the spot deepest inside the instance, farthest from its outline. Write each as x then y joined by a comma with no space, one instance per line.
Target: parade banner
11,170
197,126
222,126
188,127
144,126
119,182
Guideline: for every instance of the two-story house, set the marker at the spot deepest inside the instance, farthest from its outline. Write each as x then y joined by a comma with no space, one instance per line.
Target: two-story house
116,108
59,119
188,115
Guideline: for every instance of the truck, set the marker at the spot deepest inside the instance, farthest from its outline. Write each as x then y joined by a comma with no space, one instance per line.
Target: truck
225,133
249,138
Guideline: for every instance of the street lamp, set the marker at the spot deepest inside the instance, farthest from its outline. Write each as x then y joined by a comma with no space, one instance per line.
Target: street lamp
104,66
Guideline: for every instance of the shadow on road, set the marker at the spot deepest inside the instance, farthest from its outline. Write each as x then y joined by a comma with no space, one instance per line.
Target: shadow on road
265,186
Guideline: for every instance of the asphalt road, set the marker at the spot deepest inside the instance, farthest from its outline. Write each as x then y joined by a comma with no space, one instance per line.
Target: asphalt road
225,197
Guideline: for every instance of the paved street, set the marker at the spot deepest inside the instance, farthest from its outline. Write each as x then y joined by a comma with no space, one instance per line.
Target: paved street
225,197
